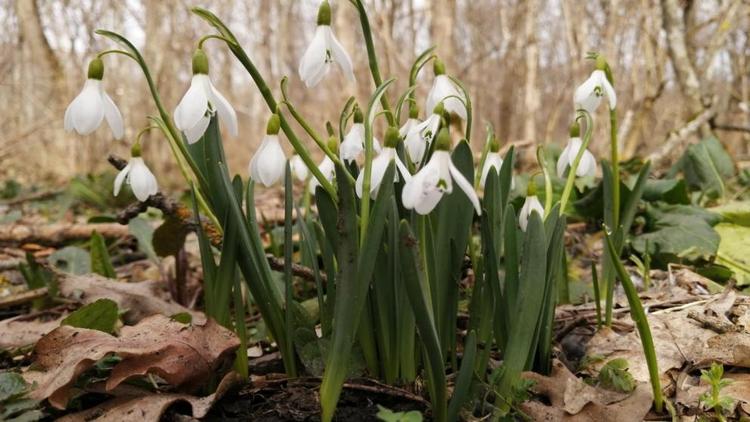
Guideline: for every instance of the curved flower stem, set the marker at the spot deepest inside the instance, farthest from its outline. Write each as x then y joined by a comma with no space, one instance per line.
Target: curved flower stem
265,91
467,103
615,157
372,57
115,51
574,167
346,113
547,180
205,38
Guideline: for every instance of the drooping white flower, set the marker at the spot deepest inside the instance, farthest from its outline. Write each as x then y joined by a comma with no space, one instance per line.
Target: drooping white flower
587,164
328,168
415,145
420,135
493,160
269,162
380,165
354,143
425,189
323,51
202,99
589,94
299,168
138,176
531,204
445,90
87,110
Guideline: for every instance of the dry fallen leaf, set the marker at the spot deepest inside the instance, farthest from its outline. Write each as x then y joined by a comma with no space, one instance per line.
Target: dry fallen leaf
180,354
141,299
573,400
24,330
151,407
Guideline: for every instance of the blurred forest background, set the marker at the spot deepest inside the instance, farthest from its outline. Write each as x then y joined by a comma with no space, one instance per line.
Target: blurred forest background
682,70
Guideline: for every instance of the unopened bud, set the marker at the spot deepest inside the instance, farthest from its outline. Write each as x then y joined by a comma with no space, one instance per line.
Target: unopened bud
135,150
413,110
358,116
438,67
96,69
575,130
200,62
531,188
274,123
324,13
443,140
333,144
392,137
494,145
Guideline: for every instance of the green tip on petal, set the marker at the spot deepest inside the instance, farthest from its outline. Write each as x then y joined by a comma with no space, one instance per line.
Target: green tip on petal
443,140
200,62
392,137
333,144
324,13
274,123
135,150
438,67
358,116
494,145
96,69
575,130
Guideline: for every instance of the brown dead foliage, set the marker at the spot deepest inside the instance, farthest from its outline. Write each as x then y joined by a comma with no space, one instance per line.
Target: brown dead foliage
184,355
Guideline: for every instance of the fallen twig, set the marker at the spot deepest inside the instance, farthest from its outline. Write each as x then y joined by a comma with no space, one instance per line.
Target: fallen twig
57,234
23,297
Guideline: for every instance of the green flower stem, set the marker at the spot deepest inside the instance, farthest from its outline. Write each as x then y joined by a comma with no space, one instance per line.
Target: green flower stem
265,91
467,103
205,38
615,166
639,317
319,141
547,180
373,58
573,168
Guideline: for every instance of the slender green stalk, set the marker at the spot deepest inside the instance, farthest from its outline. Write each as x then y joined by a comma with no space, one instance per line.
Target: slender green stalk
319,141
570,182
372,59
614,150
639,317
547,180
288,252
597,295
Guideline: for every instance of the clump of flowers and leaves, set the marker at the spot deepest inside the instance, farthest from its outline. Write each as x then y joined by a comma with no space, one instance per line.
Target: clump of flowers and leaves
395,227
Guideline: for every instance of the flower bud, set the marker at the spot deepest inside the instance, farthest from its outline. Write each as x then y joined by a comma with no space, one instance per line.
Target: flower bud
443,140
96,69
324,13
531,187
358,116
438,67
413,110
135,150
274,123
200,62
494,145
329,128
333,144
392,137
575,130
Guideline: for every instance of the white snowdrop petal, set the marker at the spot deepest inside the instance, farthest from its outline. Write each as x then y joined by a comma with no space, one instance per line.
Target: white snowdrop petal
223,108
89,111
113,116
465,186
312,66
120,179
193,105
340,56
141,179
196,132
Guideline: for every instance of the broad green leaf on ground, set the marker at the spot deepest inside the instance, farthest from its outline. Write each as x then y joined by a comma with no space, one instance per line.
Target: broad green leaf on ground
101,315
388,415
733,250
678,233
706,165
671,191
144,233
614,375
71,259
735,212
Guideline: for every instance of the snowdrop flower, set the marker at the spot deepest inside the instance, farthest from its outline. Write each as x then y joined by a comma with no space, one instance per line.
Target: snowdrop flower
380,165
425,189
299,168
86,112
420,135
531,204
269,162
589,94
445,90
415,145
193,114
493,160
327,166
354,141
137,175
324,50
587,164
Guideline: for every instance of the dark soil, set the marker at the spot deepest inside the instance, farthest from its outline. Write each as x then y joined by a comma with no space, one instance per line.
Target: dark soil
297,400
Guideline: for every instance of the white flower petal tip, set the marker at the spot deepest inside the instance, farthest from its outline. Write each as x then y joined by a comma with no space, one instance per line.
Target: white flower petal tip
531,204
269,162
445,90
425,189
328,168
299,168
202,99
324,50
87,110
587,165
493,160
589,94
142,182
379,167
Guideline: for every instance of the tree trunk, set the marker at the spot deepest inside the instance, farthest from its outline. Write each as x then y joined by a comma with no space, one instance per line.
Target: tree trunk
531,90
